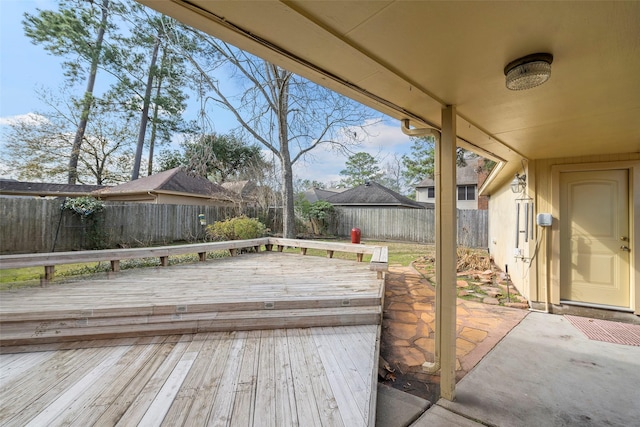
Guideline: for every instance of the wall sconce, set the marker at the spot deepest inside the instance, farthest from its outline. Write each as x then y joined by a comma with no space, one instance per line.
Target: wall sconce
529,71
519,183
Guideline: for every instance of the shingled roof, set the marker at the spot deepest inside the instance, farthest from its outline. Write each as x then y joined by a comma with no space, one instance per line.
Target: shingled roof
465,175
172,181
318,194
11,187
374,195
243,188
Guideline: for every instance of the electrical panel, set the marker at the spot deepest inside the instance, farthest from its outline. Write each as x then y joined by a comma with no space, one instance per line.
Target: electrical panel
544,219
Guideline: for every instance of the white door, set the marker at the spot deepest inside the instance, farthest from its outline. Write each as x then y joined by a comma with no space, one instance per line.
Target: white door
594,237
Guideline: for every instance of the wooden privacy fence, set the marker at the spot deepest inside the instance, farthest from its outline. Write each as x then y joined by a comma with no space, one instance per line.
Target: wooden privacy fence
412,225
29,225
40,225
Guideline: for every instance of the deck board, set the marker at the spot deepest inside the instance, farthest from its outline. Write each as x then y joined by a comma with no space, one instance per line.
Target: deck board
238,360
271,377
249,278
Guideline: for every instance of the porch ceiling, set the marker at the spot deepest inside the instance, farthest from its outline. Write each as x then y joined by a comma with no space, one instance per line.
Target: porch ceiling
407,59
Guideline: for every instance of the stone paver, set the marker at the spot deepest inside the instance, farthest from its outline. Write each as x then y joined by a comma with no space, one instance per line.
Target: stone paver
408,338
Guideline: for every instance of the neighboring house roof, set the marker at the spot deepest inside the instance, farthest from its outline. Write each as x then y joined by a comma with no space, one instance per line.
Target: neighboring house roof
243,188
10,187
373,194
465,175
314,194
174,181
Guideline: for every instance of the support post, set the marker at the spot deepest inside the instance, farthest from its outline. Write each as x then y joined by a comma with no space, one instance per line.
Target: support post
446,241
49,272
202,256
115,265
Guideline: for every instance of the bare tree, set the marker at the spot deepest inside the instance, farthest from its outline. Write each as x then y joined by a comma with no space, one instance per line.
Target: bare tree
38,146
287,114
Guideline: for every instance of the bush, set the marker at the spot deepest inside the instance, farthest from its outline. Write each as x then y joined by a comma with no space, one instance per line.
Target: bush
239,228
87,208
84,206
317,213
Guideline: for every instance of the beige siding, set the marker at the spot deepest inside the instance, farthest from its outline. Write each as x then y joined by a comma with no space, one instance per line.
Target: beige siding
502,231
543,275
422,196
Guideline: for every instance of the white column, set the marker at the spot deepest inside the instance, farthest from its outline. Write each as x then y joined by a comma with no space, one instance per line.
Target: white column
446,242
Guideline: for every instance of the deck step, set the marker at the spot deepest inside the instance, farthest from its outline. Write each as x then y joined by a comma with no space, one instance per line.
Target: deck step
127,311
42,331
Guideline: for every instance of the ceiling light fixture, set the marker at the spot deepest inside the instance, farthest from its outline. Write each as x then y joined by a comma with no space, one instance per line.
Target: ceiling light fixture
529,71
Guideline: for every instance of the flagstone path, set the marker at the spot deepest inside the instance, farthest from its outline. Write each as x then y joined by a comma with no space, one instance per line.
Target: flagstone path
408,332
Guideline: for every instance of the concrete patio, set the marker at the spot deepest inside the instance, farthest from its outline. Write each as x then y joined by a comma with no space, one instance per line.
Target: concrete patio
545,372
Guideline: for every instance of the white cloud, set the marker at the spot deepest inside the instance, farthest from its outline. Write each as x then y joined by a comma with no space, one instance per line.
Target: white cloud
324,164
31,119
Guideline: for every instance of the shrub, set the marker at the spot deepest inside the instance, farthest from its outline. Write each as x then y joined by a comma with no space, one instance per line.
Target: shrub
239,228
84,206
87,208
317,213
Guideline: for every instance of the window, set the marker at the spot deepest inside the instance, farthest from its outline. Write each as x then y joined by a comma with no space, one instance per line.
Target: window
466,192
431,192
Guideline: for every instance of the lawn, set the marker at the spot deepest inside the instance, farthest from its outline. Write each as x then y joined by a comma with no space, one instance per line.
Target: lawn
400,254
22,277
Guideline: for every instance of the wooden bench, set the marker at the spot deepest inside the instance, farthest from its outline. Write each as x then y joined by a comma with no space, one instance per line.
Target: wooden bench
49,260
380,260
379,254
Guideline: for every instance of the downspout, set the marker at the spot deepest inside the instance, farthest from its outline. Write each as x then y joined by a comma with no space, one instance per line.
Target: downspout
154,198
427,367
419,131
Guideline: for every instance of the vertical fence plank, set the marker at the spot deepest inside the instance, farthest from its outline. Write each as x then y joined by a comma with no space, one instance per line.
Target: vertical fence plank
413,225
30,224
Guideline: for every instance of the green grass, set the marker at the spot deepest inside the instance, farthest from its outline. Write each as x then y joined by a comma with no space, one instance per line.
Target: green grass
400,254
24,277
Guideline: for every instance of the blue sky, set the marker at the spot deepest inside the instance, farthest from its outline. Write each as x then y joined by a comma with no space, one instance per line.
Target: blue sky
25,68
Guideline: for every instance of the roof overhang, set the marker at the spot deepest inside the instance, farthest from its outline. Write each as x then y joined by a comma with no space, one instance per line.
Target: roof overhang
410,59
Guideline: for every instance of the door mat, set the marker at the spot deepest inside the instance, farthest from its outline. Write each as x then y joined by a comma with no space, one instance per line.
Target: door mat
607,330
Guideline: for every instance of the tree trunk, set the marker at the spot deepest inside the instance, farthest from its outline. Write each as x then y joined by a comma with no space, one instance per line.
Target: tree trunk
87,100
288,212
145,112
154,123
281,89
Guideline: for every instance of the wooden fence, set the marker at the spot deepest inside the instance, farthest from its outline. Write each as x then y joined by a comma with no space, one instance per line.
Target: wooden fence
40,225
412,225
29,225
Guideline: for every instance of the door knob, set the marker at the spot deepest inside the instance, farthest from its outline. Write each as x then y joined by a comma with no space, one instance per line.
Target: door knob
625,248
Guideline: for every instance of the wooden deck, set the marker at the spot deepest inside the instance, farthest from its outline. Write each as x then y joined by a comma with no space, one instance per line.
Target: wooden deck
305,377
260,339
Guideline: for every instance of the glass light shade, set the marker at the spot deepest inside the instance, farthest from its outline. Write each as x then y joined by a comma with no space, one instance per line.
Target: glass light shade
519,183
528,75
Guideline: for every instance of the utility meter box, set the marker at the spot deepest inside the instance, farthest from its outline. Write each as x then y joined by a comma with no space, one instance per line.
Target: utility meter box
544,219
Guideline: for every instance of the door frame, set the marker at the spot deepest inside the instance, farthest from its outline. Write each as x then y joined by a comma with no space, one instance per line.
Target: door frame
633,167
